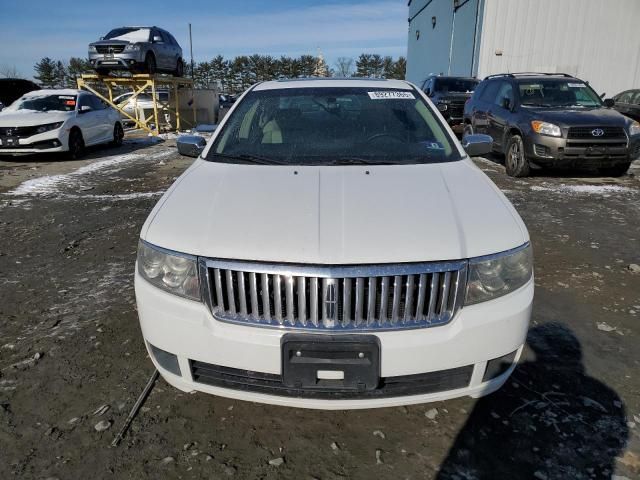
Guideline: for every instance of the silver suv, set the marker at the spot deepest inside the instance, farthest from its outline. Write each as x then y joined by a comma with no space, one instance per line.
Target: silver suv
137,49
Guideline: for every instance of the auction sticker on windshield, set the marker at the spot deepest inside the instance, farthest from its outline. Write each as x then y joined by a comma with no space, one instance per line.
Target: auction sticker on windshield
575,85
385,95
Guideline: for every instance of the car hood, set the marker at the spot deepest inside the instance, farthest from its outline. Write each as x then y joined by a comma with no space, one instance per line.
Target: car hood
335,214
571,117
28,118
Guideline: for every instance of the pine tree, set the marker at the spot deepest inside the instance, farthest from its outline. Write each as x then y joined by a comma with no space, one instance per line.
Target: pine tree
77,66
46,72
320,69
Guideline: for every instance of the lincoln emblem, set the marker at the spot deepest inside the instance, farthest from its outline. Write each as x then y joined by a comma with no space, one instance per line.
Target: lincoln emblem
330,304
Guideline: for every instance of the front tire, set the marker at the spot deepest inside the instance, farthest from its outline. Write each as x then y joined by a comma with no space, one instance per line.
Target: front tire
118,135
76,145
515,160
615,170
150,64
179,71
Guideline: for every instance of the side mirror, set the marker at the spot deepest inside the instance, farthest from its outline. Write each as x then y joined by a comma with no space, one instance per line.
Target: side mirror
157,39
506,103
85,109
477,145
190,145
609,102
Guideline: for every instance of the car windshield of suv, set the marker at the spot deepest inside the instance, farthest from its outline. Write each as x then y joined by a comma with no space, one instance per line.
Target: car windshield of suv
45,103
458,85
129,34
333,126
558,93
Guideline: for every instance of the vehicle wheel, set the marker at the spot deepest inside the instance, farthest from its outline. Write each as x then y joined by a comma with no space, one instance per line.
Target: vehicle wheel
150,63
76,144
179,71
515,160
615,170
118,135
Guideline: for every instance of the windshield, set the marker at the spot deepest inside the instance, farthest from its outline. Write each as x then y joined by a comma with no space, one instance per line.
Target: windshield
558,93
45,103
325,126
462,85
129,34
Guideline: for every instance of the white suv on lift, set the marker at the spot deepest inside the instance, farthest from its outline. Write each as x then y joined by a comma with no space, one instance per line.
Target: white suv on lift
333,246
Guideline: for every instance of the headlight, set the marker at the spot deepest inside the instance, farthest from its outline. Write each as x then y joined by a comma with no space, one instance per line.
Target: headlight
544,128
49,126
634,129
494,276
132,47
92,49
172,272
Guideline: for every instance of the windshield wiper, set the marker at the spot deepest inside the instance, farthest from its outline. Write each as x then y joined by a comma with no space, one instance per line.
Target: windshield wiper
248,158
357,161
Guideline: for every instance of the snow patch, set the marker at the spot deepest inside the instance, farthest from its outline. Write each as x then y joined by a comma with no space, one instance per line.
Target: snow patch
582,189
50,184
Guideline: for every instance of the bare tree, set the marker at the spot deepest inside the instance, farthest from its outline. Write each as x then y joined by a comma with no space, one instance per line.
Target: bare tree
344,67
10,71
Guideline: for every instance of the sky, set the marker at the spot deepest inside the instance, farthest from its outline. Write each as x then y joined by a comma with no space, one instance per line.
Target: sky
60,29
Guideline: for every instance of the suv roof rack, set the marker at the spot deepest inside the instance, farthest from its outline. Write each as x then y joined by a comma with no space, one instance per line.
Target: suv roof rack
529,74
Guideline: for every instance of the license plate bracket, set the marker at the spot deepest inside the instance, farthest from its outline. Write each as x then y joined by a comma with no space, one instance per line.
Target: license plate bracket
331,362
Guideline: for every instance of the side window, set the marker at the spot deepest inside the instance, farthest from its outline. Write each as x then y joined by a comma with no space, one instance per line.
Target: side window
636,98
96,103
490,91
84,100
505,91
625,97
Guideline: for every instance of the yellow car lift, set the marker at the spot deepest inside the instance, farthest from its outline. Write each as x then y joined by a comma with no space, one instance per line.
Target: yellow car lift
141,83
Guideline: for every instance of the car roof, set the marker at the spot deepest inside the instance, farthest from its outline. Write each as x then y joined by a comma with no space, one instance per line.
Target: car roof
54,91
333,82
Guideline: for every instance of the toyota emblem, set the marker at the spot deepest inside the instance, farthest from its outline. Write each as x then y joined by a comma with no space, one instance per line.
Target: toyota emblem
597,132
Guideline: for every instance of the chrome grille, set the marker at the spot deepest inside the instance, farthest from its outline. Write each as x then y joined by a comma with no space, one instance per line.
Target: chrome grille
109,48
333,298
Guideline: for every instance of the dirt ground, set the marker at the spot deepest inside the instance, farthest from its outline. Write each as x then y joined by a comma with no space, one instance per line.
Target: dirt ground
72,356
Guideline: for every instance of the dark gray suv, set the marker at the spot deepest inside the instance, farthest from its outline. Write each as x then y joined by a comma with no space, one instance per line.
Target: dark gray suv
551,120
137,49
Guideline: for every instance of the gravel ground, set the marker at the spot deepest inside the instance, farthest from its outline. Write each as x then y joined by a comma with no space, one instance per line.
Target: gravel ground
72,360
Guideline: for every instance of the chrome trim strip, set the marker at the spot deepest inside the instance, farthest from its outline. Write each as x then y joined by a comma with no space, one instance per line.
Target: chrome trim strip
266,304
347,271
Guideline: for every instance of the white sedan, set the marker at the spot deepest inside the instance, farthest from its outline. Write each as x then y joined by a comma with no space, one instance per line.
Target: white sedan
64,120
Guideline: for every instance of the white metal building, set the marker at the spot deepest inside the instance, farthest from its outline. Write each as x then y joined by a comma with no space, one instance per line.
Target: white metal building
595,40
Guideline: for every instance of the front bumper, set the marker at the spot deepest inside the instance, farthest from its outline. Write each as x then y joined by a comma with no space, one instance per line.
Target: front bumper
476,335
51,141
561,152
116,61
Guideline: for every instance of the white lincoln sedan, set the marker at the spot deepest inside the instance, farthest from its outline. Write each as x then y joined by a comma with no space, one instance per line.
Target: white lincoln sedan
333,246
65,120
